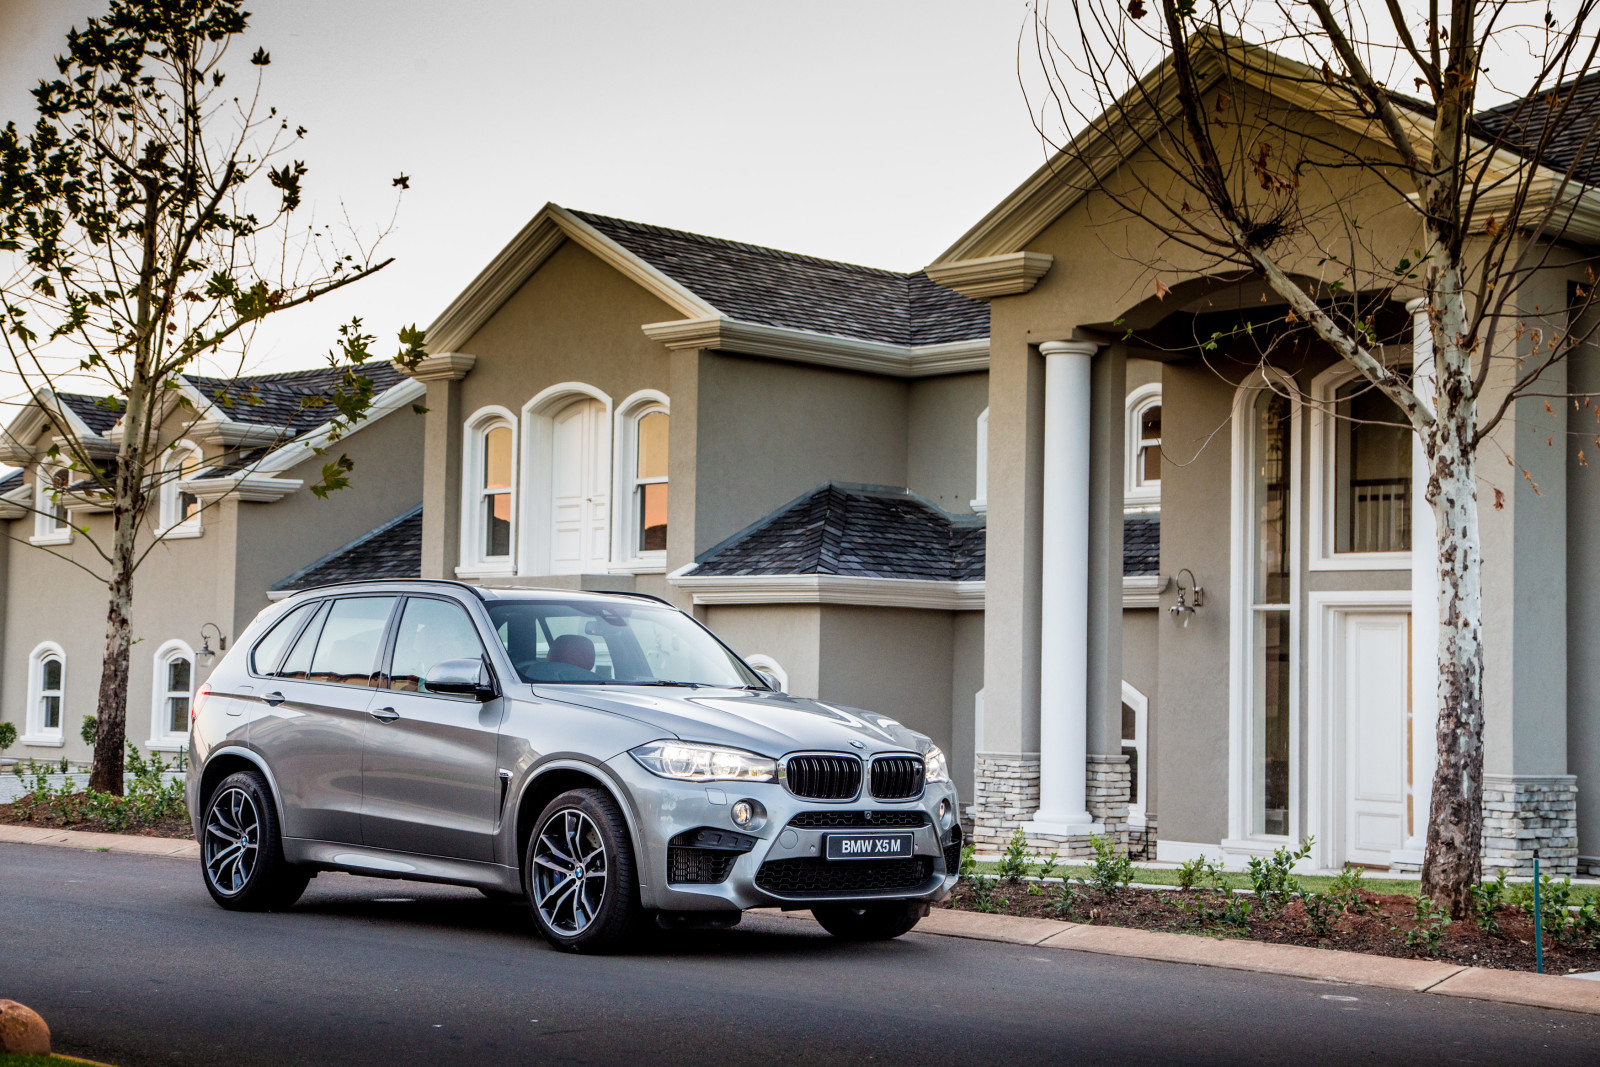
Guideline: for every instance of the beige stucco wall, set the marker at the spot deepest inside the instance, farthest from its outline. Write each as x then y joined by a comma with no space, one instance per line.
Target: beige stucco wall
789,633
898,661
941,438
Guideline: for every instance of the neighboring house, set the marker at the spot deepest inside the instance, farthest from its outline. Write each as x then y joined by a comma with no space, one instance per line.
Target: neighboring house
236,519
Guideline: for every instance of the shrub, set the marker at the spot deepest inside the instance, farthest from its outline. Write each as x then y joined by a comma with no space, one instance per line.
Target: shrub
1048,865
969,863
1486,900
8,735
1110,869
1190,871
1429,931
90,730
1347,887
1273,877
1014,864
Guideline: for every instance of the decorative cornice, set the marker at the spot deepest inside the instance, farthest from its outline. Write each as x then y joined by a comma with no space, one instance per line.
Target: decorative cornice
305,447
241,485
828,350
1143,590
831,589
992,276
445,367
15,504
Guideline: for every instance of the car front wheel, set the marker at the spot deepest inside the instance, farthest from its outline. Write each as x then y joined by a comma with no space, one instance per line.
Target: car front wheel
241,851
580,876
878,920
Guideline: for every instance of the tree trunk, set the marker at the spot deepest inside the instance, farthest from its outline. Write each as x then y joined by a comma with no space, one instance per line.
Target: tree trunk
1453,862
111,712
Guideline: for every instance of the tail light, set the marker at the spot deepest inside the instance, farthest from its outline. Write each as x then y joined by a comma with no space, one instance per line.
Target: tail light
198,702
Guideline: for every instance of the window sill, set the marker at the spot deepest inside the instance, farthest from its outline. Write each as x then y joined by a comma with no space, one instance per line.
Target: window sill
51,539
43,740
485,570
1362,561
178,533
639,566
1141,498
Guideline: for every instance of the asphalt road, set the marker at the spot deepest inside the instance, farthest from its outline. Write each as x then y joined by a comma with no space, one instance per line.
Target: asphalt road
130,962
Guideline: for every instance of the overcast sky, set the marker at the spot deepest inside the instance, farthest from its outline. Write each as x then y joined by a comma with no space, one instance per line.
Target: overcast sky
874,131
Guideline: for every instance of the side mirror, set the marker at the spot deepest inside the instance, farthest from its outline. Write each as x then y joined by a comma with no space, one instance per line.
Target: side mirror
461,678
771,680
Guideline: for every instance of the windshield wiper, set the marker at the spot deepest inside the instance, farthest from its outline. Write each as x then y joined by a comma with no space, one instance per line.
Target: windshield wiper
680,685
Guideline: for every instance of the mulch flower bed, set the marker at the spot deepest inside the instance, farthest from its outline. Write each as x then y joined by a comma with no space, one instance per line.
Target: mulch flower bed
1380,927
168,826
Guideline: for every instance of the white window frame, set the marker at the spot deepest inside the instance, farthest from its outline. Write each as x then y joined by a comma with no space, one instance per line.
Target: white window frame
980,502
625,549
1325,482
474,563
763,662
163,739
1241,842
535,486
1136,492
1141,746
171,524
37,734
45,530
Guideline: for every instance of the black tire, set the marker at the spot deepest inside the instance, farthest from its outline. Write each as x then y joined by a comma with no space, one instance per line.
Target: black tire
575,917
241,849
877,920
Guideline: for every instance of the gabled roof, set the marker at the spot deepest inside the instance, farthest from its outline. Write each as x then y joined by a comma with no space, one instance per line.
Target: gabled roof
98,413
775,288
393,550
278,400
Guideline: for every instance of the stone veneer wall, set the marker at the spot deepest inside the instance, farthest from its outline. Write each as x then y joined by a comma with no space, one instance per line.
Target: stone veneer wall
1521,812
1006,795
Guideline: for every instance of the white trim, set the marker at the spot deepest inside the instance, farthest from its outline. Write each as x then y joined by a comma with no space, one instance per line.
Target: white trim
831,589
1325,728
45,530
31,421
980,502
827,350
37,733
1323,482
161,738
169,524
538,441
1141,745
304,447
624,453
1183,851
474,430
1135,491
1242,615
242,485
990,276
1143,590
763,662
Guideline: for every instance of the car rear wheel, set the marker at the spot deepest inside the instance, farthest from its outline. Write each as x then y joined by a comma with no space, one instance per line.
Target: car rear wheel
878,920
241,850
580,876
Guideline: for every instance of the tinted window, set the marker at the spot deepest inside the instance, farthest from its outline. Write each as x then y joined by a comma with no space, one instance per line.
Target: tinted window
297,664
430,632
347,649
264,657
593,642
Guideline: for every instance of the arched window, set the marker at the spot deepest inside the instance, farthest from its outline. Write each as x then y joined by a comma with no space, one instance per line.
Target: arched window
179,510
172,694
1142,479
643,439
50,525
767,665
489,492
980,502
47,670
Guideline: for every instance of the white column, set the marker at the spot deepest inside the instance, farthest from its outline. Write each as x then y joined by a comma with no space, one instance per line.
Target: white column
1064,592
1424,602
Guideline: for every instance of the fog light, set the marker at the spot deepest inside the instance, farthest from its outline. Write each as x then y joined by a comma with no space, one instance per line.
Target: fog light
944,815
744,813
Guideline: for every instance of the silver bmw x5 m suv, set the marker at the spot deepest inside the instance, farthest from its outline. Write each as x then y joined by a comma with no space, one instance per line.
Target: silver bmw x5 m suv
603,757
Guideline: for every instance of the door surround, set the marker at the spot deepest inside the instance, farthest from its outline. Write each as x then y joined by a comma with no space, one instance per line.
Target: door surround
1325,721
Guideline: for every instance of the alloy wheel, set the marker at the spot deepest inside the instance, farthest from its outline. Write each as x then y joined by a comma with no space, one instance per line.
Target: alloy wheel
232,841
569,872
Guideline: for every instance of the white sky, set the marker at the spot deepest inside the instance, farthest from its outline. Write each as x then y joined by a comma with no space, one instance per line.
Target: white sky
873,131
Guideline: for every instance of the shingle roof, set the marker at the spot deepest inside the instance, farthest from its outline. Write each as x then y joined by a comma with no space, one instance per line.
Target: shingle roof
97,413
393,550
1141,543
279,399
772,288
11,481
1521,123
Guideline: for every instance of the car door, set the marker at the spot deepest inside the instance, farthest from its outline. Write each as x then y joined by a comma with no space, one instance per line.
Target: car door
429,776
311,728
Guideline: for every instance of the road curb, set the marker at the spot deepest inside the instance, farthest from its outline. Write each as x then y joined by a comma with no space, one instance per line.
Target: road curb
1434,977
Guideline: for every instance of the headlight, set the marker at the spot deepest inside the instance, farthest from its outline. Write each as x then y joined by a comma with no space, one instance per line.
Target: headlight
704,763
934,767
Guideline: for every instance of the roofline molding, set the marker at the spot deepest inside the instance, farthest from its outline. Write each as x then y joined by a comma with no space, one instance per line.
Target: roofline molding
930,594
991,276
827,350
295,452
31,421
536,242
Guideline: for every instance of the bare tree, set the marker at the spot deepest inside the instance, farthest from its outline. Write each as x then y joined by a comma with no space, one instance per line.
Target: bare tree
148,223
1273,141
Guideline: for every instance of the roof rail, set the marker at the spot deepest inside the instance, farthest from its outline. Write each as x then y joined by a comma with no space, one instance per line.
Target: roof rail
638,596
475,590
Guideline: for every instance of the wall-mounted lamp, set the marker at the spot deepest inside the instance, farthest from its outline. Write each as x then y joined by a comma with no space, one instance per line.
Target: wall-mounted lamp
1189,598
207,654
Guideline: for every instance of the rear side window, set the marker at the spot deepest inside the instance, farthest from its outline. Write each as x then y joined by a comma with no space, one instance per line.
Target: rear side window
347,649
269,650
430,632
297,664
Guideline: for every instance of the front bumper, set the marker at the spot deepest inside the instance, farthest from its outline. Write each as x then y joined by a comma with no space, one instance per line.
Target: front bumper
665,809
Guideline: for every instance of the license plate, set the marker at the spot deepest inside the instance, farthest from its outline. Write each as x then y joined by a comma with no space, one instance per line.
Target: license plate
869,846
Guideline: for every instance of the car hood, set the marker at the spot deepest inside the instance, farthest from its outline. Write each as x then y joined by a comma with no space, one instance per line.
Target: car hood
769,724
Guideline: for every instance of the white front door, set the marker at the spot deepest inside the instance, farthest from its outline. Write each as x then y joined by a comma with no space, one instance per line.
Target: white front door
580,481
1375,697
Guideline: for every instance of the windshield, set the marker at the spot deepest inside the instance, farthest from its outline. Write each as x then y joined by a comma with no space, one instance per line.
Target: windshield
588,643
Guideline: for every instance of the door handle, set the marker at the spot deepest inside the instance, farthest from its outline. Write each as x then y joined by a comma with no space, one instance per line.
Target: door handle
385,714
272,700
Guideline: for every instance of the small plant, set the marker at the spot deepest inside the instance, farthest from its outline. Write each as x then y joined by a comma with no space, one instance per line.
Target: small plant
1486,900
1347,887
984,898
1065,903
1322,909
969,863
1048,865
1015,862
1429,931
1111,869
1273,877
90,730
8,735
1190,872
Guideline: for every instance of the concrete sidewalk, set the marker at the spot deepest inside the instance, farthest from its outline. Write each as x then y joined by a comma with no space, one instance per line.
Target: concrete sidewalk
1295,961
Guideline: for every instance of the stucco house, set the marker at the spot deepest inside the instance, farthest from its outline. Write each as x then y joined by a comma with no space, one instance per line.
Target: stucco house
234,517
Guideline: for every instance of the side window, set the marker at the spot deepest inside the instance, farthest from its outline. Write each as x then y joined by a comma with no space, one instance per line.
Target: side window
347,649
297,664
430,632
264,657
